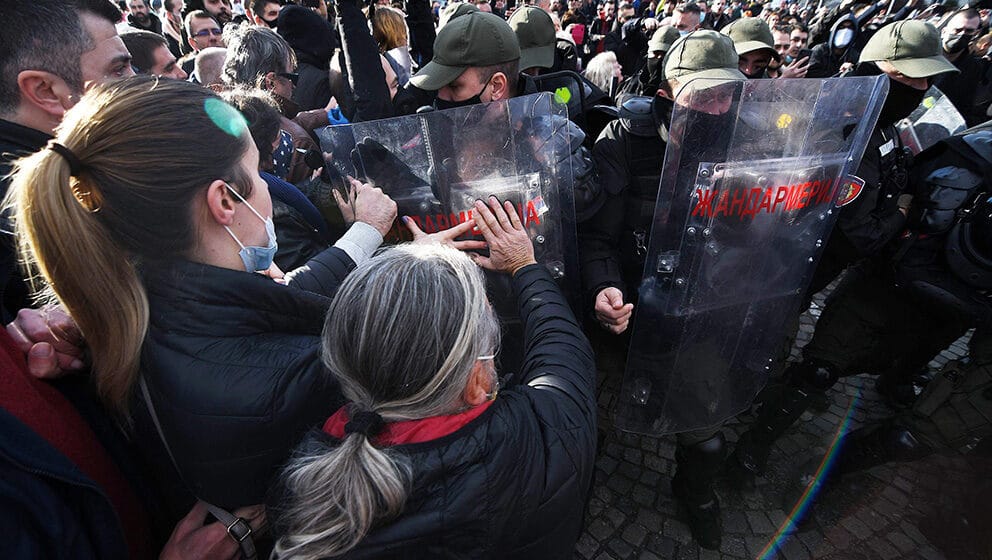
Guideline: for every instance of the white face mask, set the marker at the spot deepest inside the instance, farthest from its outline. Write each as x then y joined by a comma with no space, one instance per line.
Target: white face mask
843,38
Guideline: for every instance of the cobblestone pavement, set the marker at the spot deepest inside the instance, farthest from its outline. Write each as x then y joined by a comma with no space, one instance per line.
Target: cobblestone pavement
924,509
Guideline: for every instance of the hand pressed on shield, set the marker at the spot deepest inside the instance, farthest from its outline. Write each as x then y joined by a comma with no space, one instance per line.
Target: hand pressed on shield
611,312
372,206
50,339
510,248
445,237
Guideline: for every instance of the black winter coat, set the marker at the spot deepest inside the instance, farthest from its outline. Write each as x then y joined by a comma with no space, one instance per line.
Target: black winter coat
512,483
232,363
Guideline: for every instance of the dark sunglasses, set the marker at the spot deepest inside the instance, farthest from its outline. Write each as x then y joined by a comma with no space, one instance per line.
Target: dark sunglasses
291,76
216,31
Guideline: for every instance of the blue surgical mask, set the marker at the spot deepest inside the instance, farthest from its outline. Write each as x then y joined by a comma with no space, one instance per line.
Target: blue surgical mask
256,259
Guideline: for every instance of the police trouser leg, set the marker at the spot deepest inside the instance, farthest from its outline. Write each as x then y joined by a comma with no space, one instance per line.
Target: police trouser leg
699,459
783,405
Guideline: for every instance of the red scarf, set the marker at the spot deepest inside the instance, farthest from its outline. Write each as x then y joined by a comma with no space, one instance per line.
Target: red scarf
409,431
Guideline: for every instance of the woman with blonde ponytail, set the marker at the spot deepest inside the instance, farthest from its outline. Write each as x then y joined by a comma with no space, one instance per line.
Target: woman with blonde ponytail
425,461
147,220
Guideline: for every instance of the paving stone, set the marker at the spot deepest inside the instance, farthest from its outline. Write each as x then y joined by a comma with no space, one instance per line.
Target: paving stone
643,495
911,531
856,527
792,549
629,470
587,546
650,478
687,553
839,537
621,549
605,556
614,516
883,549
633,455
662,546
606,464
872,519
760,525
734,522
619,484
677,530
755,545
903,543
634,534
656,463
599,530
650,520
733,545
928,553
646,555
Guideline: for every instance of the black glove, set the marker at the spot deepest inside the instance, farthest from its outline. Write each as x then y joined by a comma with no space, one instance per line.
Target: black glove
383,168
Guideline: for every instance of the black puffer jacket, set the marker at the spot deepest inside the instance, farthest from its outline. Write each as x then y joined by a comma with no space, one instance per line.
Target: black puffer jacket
512,483
232,364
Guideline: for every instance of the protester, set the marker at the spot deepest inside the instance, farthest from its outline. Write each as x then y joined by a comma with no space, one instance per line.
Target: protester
425,412
604,71
166,277
203,32
208,66
150,55
312,40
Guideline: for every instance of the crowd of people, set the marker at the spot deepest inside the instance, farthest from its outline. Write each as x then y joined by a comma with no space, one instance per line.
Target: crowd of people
214,351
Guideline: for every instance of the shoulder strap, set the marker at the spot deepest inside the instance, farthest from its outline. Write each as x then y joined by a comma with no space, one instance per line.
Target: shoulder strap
237,527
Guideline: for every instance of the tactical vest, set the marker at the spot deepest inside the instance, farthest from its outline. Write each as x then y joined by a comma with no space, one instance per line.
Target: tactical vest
643,136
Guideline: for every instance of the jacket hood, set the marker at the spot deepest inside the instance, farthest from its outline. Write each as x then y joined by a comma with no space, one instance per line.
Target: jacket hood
307,33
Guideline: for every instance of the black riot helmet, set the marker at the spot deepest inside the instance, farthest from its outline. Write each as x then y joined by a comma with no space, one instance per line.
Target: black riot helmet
969,245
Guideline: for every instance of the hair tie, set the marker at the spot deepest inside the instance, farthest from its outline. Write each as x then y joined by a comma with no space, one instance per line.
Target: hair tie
366,422
75,166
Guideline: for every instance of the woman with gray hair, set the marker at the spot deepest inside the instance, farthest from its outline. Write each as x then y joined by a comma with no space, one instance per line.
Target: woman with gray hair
425,461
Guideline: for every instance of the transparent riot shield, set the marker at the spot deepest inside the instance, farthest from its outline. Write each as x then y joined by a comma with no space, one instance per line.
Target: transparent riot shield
935,119
746,202
436,164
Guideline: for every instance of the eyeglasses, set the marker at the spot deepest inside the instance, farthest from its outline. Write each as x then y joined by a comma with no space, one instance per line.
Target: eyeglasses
215,31
291,76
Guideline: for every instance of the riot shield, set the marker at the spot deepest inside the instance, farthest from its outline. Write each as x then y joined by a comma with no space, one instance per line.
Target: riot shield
935,119
746,202
436,164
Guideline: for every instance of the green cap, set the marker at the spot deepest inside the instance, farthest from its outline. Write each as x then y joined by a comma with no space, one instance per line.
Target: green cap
751,34
475,40
911,46
536,35
663,38
702,54
453,10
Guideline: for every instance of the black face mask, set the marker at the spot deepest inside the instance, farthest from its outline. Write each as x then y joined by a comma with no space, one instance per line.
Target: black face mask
655,69
956,43
441,104
272,24
901,101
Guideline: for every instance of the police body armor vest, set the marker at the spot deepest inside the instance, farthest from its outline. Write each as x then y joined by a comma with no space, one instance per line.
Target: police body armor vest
946,258
644,135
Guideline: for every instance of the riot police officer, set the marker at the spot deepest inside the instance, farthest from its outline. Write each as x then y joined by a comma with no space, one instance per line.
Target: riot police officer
940,272
863,310
629,155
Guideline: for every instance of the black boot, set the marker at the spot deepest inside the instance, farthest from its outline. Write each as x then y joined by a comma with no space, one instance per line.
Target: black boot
698,467
782,406
869,446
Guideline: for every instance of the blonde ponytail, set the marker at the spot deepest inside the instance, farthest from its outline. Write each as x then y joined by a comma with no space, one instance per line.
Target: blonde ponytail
142,150
63,242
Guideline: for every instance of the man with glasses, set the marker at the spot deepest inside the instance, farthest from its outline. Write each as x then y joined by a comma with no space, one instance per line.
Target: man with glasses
203,32
969,90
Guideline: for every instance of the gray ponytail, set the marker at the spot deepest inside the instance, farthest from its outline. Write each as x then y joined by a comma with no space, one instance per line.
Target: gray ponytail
401,336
